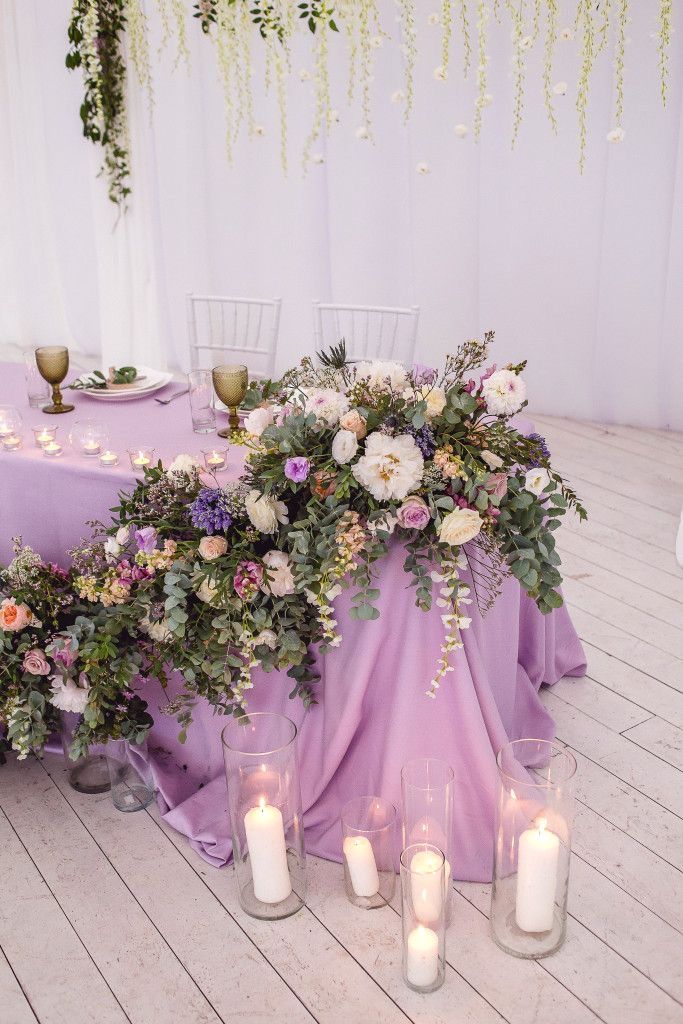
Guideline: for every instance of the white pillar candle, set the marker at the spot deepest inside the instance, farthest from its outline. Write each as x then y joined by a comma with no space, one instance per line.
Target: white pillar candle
267,853
360,861
422,957
428,886
537,860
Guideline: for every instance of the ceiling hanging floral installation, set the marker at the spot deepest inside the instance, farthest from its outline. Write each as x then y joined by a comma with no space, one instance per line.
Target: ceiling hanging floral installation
102,32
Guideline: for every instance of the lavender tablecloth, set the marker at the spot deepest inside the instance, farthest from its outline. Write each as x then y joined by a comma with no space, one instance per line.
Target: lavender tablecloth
372,714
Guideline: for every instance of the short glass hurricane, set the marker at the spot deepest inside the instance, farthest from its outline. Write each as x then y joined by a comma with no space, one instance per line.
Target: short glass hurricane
12,442
37,388
368,851
43,434
89,438
132,785
88,774
423,914
216,459
141,458
427,788
11,421
266,819
532,847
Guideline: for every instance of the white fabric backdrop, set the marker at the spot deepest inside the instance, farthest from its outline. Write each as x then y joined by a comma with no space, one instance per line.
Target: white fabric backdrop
581,275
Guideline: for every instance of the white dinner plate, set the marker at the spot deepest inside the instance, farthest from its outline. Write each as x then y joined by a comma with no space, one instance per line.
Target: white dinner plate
153,381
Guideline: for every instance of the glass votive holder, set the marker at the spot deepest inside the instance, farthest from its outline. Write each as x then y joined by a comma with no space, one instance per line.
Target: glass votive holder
427,786
266,818
141,458
532,847
423,916
132,786
215,459
200,386
43,434
12,442
52,450
369,837
11,421
89,438
108,458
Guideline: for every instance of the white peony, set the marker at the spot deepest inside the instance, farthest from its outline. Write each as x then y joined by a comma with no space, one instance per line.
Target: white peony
258,419
434,397
391,467
382,374
327,404
266,638
112,546
281,580
207,592
265,512
536,480
158,631
184,464
492,460
459,526
69,695
123,535
344,446
504,393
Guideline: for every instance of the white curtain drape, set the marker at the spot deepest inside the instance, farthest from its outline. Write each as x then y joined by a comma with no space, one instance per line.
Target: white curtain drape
579,274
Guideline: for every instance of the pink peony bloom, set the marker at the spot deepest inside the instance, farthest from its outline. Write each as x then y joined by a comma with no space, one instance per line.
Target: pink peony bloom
248,579
14,617
414,513
65,655
36,663
497,485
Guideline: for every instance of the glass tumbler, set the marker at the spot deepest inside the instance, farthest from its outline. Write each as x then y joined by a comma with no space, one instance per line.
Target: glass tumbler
427,786
369,837
201,401
132,786
532,846
266,819
423,915
37,389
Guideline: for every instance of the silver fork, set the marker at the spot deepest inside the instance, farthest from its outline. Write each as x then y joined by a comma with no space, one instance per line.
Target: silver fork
167,401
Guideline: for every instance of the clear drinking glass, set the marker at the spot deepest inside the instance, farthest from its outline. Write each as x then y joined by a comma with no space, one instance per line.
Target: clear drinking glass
264,802
89,774
532,847
427,786
38,389
132,786
369,837
423,914
200,385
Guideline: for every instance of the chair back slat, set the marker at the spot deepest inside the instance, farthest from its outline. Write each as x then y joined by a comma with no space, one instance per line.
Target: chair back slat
224,329
370,332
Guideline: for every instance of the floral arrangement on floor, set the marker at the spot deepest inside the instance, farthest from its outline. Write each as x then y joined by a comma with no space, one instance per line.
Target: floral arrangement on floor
98,28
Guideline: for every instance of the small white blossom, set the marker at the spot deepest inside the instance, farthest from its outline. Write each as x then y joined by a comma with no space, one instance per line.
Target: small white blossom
318,158
433,19
484,101
362,132
398,96
305,75
440,73
567,34
536,480
616,135
525,43
461,130
259,130
376,42
560,88
423,168
333,117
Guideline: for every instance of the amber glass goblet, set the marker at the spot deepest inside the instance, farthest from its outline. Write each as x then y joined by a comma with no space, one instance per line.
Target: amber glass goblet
230,383
53,365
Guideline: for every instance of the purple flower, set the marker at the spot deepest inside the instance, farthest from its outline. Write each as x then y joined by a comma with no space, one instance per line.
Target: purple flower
424,439
248,579
542,449
66,654
423,374
297,469
146,539
414,513
210,511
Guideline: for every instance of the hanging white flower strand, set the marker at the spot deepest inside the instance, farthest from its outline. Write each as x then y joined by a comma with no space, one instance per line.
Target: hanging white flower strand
548,54
482,64
663,43
409,49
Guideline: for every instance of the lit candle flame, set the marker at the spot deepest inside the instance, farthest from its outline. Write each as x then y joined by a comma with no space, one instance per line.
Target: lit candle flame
262,802
541,822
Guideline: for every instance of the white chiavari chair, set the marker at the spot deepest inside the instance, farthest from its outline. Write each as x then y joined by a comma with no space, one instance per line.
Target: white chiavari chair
370,332
233,330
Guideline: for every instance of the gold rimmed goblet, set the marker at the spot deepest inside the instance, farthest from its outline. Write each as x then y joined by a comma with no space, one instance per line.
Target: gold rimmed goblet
230,383
53,365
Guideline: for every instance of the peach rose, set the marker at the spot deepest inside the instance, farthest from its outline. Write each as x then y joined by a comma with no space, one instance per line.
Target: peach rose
212,547
14,617
354,422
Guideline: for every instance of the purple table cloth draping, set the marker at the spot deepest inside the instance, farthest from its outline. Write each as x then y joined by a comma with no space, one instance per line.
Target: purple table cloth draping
372,715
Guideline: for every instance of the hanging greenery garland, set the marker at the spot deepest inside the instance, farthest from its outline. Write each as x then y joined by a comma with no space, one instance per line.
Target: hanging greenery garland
102,32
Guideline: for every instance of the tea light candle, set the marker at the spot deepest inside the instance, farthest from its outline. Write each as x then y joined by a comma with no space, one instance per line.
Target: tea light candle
109,459
44,434
428,886
268,853
216,460
141,458
360,860
422,957
51,450
537,862
10,442
91,447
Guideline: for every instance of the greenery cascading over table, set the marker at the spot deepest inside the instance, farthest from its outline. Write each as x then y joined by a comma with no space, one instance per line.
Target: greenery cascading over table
100,31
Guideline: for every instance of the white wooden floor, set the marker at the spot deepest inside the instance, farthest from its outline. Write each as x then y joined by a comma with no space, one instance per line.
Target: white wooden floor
109,918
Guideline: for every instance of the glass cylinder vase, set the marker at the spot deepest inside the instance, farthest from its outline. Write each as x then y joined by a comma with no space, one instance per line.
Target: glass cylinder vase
427,786
264,803
132,785
532,847
89,774
423,915
369,837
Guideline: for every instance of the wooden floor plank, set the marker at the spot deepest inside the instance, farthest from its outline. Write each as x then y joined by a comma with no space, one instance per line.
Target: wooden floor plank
605,437
638,622
600,703
641,574
226,965
643,690
15,1007
638,548
98,904
619,588
662,739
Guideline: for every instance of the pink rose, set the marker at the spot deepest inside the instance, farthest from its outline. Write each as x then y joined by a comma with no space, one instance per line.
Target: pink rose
212,547
414,513
65,655
497,485
14,617
36,663
248,579
354,422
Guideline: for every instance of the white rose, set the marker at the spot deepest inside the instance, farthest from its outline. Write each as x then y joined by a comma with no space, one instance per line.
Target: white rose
536,480
207,592
123,535
266,638
184,464
391,467
504,393
382,374
459,526
436,401
212,547
492,461
281,580
112,546
265,512
258,419
344,446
